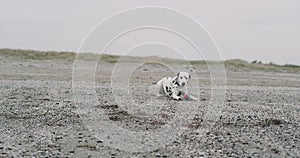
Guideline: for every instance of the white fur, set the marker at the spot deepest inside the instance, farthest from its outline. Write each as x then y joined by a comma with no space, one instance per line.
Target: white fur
174,87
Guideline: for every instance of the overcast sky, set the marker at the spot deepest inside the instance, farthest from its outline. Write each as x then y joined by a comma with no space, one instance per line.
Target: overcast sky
267,30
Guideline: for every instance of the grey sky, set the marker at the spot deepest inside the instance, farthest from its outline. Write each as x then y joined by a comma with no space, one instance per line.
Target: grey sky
267,30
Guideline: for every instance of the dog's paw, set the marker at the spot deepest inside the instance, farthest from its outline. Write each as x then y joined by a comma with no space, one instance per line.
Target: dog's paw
160,95
195,99
177,98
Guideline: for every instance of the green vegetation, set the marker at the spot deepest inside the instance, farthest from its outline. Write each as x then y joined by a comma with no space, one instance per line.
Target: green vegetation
37,55
233,64
254,65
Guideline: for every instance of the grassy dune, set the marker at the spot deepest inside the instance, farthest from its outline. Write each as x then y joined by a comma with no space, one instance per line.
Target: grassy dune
234,64
37,55
244,65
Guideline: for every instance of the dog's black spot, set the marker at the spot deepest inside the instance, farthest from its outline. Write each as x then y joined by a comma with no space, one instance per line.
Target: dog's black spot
175,82
180,93
168,89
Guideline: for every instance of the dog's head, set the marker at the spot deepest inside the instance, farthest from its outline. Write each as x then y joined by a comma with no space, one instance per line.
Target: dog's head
183,78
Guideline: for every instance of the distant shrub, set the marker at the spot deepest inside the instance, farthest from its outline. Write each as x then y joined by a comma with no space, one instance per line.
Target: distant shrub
291,66
233,64
37,55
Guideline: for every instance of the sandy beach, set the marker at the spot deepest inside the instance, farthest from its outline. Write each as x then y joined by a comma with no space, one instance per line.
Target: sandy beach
39,117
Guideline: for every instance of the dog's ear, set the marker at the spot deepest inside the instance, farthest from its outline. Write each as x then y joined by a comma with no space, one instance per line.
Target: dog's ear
178,74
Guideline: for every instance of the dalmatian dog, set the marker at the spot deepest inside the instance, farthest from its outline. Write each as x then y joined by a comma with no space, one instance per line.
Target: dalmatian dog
175,87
